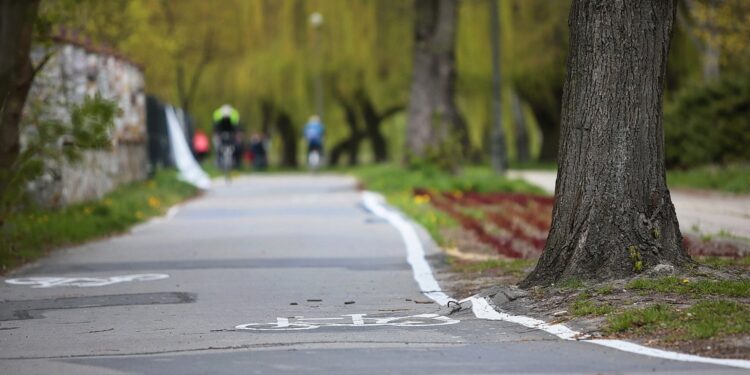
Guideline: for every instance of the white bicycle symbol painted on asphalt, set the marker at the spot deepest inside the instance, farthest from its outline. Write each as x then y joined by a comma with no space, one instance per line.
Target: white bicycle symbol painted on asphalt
349,320
83,282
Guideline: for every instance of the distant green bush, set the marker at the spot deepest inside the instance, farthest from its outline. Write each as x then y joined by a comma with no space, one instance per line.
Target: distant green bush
709,124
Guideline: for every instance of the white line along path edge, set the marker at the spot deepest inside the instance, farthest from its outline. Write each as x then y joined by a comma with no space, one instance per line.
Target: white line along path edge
482,309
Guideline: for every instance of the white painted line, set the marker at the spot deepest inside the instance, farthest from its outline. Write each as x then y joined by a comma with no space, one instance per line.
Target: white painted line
652,352
83,282
357,321
282,322
483,310
414,250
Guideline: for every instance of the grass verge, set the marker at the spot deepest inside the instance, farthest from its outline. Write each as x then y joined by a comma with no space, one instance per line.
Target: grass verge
397,184
733,178
31,234
702,287
696,322
514,267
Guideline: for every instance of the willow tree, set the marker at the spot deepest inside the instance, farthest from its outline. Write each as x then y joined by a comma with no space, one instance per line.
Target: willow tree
613,216
434,118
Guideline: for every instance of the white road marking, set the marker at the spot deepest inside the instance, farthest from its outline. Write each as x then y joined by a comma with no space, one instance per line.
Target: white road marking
83,282
483,310
157,220
414,250
640,349
357,320
282,322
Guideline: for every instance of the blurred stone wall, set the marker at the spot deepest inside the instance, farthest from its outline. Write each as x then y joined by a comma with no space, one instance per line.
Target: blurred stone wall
75,71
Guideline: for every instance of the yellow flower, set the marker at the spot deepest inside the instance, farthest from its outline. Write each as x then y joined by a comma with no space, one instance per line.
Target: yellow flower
685,281
457,194
154,202
421,199
139,215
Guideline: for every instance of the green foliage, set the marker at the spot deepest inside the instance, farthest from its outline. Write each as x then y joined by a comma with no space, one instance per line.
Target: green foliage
672,284
27,235
50,141
391,178
419,209
605,290
652,316
708,124
724,262
700,321
516,267
732,178
584,307
635,257
398,184
571,283
697,322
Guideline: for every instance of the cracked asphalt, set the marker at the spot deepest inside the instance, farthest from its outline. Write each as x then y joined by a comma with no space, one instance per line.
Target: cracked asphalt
299,256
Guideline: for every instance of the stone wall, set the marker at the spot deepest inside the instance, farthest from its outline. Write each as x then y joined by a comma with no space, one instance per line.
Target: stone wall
76,71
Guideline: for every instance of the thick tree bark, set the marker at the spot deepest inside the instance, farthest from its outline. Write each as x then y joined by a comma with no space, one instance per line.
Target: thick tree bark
16,73
433,114
613,216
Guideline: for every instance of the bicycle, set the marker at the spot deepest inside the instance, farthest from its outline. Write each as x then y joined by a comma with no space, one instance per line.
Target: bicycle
313,160
226,152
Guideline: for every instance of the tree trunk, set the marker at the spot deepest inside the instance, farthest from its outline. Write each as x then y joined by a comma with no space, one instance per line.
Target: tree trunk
522,134
613,215
350,145
373,120
285,126
433,114
16,73
355,135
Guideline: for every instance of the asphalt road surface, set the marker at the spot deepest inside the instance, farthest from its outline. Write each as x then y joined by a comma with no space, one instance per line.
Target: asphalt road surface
317,284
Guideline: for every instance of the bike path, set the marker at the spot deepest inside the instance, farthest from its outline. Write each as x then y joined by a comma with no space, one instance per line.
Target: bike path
277,249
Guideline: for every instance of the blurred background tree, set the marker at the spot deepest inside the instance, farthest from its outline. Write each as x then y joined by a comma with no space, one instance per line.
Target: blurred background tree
264,57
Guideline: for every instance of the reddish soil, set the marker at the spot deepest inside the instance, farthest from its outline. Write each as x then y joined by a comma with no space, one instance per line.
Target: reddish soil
516,225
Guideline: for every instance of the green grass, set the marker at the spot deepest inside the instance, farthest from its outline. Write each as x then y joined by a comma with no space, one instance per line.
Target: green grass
733,178
584,307
605,290
571,283
397,184
516,267
671,284
724,261
389,178
29,235
697,322
432,219
655,316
